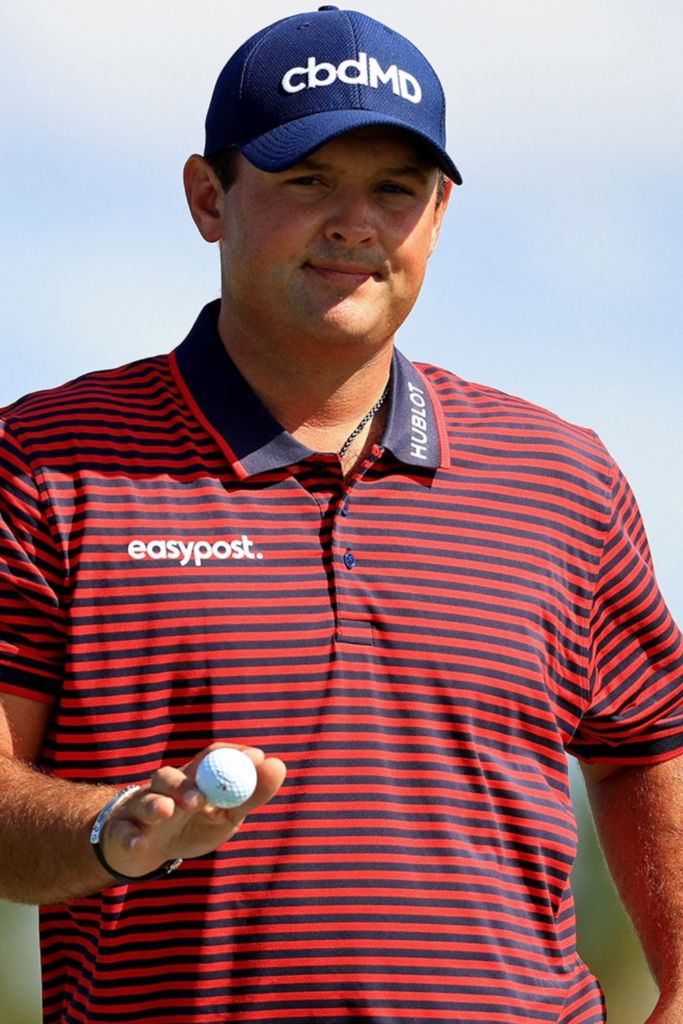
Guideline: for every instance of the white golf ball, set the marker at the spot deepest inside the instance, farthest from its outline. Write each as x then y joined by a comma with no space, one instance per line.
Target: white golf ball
226,777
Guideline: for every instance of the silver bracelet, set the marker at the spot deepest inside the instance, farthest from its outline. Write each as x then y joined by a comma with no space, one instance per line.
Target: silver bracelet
96,833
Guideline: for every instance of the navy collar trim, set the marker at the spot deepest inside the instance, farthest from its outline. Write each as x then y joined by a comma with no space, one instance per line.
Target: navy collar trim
255,442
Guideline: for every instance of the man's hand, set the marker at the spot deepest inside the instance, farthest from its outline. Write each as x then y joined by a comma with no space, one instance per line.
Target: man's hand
170,818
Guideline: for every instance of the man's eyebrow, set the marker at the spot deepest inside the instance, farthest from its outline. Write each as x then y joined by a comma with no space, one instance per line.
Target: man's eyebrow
309,163
408,170
421,171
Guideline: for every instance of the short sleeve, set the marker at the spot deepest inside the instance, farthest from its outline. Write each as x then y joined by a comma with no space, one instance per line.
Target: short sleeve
635,712
31,582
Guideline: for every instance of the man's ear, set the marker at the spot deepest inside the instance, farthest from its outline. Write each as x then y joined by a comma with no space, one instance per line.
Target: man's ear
204,197
439,214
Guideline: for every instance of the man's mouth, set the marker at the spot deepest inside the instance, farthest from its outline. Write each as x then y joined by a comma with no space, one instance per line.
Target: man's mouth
342,273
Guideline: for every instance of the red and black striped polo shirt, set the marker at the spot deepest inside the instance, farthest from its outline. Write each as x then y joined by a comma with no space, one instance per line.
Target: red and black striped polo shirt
422,645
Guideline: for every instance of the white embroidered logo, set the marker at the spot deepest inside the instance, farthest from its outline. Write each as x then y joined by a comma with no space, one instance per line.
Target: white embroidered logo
197,551
418,422
364,71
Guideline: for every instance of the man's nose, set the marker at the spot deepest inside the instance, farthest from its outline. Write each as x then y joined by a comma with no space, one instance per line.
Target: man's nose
351,221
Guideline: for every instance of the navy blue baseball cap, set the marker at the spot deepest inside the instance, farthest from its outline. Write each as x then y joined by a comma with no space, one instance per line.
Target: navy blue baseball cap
307,79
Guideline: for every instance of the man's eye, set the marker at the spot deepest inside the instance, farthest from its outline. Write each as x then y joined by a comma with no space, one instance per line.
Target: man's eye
308,179
394,189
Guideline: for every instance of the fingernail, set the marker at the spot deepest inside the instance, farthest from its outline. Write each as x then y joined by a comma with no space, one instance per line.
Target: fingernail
192,798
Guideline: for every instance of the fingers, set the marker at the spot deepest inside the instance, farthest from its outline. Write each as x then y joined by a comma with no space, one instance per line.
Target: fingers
122,837
271,774
178,788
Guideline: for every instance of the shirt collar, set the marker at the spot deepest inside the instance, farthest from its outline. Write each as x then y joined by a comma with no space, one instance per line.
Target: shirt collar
255,442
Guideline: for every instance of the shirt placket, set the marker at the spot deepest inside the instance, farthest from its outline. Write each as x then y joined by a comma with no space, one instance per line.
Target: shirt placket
349,565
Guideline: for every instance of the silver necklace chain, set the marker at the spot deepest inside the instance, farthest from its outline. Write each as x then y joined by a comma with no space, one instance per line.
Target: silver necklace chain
364,422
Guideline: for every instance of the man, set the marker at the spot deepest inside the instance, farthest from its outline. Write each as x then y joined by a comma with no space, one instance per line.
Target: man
419,593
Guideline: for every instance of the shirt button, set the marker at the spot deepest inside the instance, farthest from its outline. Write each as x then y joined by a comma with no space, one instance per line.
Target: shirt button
349,559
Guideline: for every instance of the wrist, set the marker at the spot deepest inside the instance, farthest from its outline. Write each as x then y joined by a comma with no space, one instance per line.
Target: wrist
97,836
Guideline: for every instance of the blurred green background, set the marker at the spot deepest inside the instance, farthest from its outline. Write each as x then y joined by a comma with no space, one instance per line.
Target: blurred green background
606,941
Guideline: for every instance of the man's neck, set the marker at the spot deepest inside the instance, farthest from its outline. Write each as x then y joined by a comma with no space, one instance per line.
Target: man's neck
319,395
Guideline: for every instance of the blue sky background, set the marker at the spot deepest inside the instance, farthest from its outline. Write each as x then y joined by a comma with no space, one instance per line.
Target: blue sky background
558,276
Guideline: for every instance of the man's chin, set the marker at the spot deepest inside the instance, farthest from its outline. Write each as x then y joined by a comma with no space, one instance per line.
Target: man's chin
337,327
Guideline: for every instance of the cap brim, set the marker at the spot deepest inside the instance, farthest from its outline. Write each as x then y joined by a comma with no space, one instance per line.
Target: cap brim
289,143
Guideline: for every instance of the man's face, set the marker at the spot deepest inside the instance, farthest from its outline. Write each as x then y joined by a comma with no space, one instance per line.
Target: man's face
332,251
